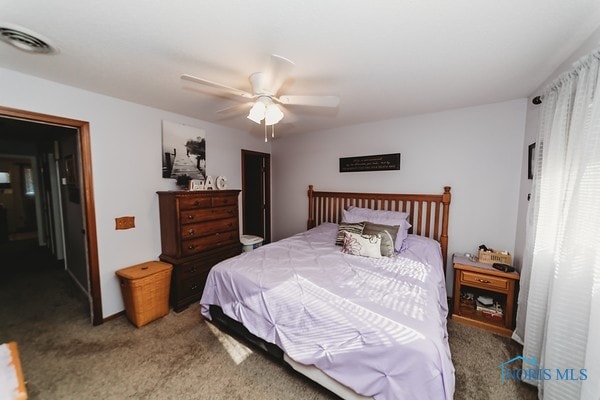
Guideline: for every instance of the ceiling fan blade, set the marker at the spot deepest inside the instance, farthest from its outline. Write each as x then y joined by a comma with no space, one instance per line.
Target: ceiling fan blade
235,109
217,85
280,70
316,101
288,116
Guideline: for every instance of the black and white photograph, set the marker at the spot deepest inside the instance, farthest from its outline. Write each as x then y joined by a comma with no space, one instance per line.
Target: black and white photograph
183,151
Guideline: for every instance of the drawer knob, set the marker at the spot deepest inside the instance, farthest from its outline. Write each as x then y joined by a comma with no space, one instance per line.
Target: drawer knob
231,212
191,232
217,234
194,286
230,224
483,281
193,269
196,203
225,201
192,246
191,216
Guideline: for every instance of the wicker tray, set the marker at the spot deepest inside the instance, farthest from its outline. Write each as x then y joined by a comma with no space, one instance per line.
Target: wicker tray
491,257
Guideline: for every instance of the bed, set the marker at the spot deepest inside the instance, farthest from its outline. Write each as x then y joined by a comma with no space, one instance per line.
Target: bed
362,327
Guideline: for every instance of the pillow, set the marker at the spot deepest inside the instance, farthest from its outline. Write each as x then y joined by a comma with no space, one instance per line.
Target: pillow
388,235
355,214
361,245
394,217
352,227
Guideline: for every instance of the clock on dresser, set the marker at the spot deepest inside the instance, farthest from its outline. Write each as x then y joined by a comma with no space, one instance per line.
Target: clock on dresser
198,229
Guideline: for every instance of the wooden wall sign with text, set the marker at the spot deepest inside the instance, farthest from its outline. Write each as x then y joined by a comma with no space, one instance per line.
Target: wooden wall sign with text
380,162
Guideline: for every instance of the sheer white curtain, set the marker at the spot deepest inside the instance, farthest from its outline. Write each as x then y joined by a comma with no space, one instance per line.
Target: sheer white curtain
560,292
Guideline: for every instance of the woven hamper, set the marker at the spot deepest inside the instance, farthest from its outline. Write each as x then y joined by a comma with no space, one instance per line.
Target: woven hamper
145,290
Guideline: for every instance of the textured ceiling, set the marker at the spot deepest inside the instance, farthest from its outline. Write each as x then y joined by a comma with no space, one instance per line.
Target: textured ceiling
385,59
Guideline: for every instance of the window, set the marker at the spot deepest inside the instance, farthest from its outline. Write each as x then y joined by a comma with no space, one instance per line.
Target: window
4,180
28,178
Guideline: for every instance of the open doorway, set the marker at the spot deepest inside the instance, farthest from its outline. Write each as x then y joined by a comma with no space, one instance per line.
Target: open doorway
62,180
256,194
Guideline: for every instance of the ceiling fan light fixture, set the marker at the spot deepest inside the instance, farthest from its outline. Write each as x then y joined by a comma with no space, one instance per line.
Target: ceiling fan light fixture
273,114
257,112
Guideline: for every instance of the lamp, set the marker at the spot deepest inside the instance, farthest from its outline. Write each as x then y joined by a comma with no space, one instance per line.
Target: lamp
264,108
273,114
257,112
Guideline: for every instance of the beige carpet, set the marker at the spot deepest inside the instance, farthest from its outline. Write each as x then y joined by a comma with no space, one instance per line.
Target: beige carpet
179,356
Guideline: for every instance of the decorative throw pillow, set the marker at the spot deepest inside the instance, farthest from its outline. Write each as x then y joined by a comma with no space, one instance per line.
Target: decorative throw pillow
361,245
388,235
393,218
343,227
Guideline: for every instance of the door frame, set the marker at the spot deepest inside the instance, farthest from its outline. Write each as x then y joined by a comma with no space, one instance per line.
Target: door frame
267,156
83,130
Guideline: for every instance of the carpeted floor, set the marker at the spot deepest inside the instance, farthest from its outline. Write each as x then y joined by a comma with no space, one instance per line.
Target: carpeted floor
179,356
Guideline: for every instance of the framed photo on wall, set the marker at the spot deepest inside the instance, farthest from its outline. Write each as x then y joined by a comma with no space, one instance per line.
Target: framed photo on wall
70,170
183,151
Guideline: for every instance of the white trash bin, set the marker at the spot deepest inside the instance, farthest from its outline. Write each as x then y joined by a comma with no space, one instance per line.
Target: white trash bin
250,242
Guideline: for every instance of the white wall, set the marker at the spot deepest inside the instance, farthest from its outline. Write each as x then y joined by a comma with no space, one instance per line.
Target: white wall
531,131
475,150
126,164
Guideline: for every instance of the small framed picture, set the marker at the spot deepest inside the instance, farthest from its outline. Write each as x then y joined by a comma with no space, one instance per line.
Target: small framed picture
530,161
196,184
70,170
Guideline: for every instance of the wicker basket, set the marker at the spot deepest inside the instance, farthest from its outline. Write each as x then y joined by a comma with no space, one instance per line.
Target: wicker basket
490,257
145,290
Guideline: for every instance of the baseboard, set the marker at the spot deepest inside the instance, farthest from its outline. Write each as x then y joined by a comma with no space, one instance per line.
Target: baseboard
114,316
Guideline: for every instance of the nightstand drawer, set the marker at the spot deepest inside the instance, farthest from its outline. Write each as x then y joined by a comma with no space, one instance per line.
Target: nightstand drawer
485,281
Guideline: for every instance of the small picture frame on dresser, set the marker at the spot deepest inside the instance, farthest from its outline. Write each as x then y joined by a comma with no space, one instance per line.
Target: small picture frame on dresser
196,184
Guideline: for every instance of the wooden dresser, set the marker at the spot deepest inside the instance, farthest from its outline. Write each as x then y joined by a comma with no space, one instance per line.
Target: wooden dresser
198,230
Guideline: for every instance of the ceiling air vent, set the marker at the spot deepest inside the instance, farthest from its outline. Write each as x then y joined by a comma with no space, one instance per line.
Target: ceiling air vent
24,41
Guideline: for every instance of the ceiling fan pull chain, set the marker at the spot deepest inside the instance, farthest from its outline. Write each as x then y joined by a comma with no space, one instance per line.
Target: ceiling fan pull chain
265,133
273,131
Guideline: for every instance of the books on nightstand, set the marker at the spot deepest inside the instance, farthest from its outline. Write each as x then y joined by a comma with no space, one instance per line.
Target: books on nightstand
488,307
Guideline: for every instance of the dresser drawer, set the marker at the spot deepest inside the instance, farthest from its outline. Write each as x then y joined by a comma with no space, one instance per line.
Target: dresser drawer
193,286
209,214
219,201
193,231
484,281
192,269
190,203
190,247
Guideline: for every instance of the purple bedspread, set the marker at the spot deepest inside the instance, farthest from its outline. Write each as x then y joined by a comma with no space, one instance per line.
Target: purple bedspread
377,326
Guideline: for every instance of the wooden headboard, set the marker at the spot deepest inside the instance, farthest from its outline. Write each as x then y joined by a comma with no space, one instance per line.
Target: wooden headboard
428,213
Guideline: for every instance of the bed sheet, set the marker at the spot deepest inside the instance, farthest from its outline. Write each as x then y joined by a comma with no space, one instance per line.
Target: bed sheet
377,326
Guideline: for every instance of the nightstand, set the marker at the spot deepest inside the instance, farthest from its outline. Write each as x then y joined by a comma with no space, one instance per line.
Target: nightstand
479,279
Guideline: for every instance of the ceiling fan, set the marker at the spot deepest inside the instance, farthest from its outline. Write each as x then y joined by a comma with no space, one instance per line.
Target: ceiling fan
267,104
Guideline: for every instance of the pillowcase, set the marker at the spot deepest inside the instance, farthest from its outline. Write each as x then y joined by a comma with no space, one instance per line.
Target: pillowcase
351,227
393,217
356,214
361,245
388,236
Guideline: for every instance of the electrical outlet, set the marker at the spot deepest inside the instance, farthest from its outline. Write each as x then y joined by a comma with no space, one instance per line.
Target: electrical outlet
124,223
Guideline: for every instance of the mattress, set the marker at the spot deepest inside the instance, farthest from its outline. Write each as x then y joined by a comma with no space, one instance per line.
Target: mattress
377,326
